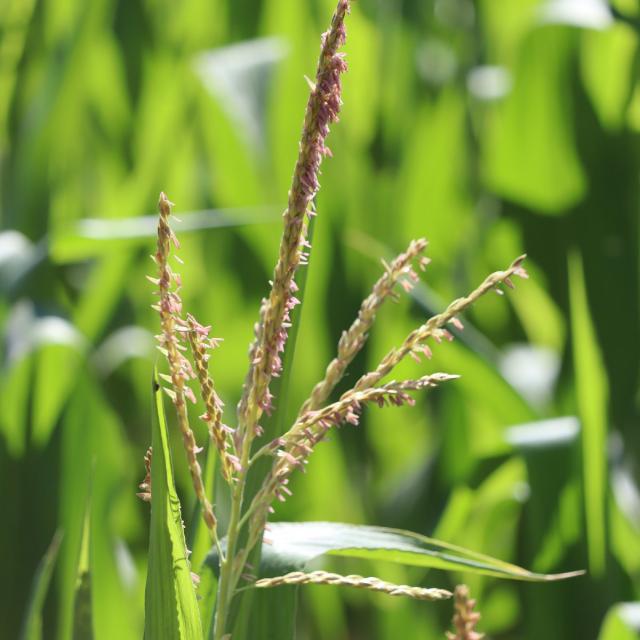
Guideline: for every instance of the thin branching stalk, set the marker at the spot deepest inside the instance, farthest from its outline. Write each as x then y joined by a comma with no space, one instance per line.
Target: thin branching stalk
169,309
415,343
292,450
357,582
352,340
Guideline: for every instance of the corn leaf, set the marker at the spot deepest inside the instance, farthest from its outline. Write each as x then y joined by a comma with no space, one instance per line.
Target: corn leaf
171,609
293,544
591,397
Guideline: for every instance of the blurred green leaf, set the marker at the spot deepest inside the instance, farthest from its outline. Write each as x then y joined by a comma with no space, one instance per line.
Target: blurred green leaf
82,610
591,14
76,464
56,375
15,396
171,607
591,398
92,237
536,117
602,51
238,75
32,629
544,433
622,622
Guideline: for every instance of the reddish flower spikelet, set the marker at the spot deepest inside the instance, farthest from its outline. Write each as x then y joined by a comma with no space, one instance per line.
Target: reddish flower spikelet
174,331
323,108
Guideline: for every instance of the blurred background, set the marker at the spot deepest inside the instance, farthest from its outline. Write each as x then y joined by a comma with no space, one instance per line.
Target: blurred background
492,128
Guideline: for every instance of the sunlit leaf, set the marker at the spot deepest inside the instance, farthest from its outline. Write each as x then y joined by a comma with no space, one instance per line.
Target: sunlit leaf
238,76
591,14
293,544
600,52
544,433
171,607
536,117
591,398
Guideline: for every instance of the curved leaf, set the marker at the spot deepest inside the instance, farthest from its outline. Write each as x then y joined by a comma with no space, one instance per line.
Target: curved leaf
292,545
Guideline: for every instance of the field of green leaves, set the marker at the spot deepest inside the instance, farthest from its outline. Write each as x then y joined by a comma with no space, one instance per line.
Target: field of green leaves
490,128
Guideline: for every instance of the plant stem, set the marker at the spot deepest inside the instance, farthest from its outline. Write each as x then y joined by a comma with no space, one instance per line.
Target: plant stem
227,582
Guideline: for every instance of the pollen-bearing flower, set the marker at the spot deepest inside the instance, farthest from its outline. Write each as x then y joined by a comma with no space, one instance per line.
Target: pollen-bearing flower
323,108
171,340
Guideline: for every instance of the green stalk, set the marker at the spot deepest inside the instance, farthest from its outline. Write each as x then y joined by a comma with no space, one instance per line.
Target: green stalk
227,582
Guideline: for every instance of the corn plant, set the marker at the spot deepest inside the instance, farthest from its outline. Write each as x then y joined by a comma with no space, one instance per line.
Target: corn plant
257,464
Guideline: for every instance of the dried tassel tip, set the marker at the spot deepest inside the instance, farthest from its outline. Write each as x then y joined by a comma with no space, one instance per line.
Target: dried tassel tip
358,582
465,618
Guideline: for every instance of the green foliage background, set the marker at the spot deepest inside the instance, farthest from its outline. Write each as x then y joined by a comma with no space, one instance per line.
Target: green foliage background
490,127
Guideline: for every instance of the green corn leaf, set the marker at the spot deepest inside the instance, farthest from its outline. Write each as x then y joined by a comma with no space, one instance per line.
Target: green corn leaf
591,396
293,545
171,608
32,629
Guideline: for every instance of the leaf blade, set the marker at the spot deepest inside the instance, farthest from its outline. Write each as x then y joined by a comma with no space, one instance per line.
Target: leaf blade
293,545
171,609
591,398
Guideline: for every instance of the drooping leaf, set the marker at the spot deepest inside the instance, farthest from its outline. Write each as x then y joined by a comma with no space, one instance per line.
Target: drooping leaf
293,544
591,398
171,608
